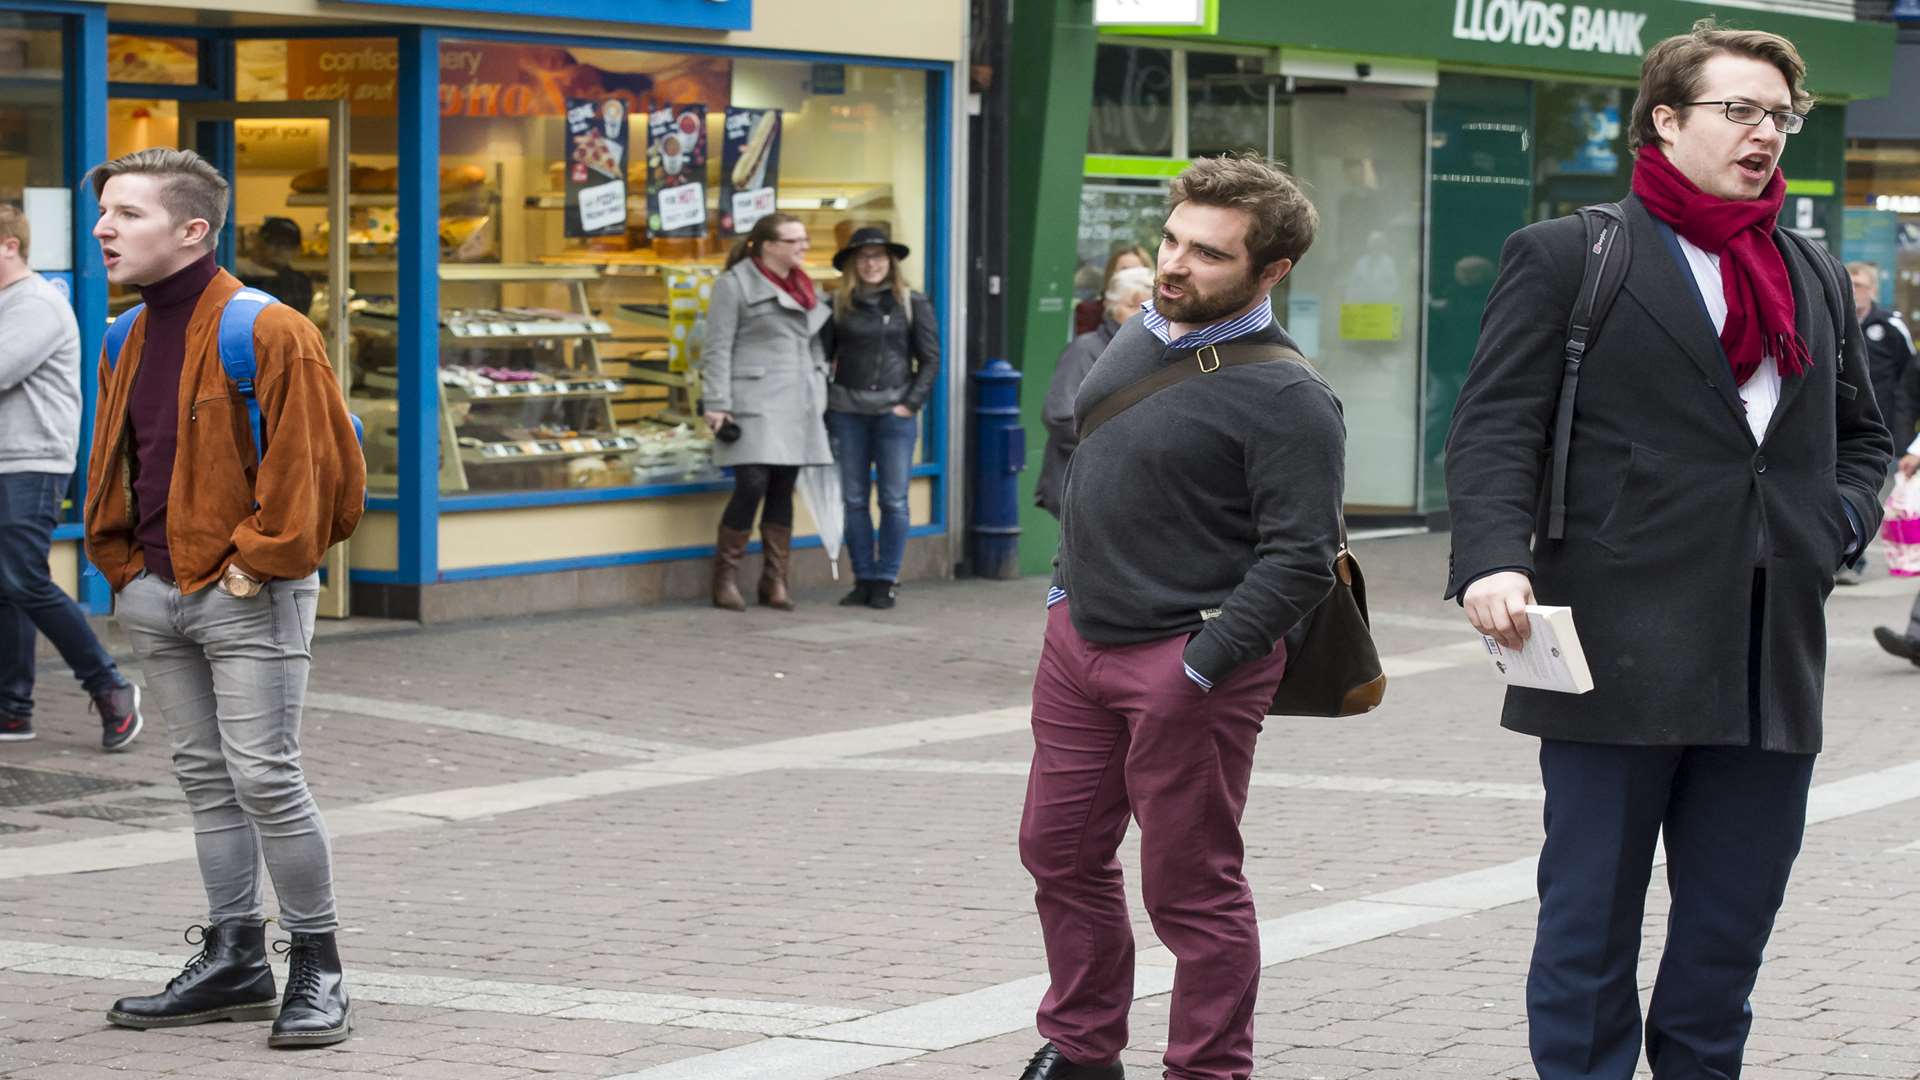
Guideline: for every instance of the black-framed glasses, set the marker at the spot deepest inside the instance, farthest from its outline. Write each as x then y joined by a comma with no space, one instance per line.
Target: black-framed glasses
1746,112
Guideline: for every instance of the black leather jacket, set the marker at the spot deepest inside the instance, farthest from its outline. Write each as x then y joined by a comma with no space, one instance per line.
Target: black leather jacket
879,360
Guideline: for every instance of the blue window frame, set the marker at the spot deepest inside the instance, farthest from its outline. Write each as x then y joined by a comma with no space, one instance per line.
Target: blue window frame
418,502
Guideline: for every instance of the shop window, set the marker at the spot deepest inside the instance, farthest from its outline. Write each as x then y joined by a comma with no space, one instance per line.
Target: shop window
1227,104
1883,218
32,107
156,61
589,197
1132,102
1581,157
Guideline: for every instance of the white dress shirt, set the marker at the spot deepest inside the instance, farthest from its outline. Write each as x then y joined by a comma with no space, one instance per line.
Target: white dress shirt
1761,392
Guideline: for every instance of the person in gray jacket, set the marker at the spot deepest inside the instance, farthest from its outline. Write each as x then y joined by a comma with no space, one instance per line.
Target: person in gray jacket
885,343
1126,291
39,429
764,381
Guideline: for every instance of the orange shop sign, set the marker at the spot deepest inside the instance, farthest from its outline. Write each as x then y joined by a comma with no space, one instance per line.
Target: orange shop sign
495,80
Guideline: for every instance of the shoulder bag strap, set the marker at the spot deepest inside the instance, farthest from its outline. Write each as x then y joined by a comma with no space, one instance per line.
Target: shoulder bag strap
1606,229
1205,360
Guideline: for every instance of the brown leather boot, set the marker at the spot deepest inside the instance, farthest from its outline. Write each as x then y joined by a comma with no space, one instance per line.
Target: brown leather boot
776,554
731,549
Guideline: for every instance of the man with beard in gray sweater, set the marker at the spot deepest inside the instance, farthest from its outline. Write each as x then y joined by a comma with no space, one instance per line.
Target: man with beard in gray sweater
1198,527
39,431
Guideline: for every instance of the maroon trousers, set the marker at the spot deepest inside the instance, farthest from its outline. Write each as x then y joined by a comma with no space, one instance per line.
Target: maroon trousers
1121,731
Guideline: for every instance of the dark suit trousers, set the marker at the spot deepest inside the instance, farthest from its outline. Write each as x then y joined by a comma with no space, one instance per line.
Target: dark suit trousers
1119,731
1732,818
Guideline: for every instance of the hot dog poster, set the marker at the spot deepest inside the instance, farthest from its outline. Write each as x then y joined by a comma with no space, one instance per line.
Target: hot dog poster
677,171
596,167
749,168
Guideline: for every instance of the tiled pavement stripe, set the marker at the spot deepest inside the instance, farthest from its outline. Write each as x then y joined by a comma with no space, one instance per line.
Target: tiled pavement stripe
146,847
1366,785
462,804
1007,1008
533,731
471,995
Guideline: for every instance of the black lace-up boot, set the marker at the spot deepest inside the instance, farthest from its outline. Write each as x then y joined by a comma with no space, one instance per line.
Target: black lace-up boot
1050,1064
314,1012
228,980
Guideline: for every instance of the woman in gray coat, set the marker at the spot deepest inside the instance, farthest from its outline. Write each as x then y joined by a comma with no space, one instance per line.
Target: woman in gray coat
764,381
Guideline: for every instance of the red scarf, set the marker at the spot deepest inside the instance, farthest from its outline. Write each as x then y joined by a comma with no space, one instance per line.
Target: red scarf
796,284
1752,273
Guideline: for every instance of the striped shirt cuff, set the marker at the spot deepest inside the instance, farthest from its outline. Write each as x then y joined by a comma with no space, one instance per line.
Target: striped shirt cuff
1199,680
1055,595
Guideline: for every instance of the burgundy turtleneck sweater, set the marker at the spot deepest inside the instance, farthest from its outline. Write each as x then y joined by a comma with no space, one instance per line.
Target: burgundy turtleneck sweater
153,409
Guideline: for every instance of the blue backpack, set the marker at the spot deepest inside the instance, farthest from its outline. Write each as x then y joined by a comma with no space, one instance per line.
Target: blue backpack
236,353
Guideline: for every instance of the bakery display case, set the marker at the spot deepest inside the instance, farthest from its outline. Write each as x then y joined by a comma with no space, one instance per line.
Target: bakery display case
527,399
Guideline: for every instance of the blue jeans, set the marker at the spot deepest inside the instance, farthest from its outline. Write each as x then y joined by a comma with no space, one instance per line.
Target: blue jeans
30,601
865,446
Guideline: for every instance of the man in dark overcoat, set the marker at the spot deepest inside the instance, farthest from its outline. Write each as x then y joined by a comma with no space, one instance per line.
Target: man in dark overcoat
1722,468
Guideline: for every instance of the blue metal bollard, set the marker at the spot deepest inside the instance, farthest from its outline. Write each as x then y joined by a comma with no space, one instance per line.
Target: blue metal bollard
1000,453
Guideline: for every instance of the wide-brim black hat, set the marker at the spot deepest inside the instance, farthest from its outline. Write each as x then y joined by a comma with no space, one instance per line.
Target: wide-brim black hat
868,237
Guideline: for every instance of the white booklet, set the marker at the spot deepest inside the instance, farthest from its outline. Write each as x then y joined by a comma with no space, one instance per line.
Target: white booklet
1552,659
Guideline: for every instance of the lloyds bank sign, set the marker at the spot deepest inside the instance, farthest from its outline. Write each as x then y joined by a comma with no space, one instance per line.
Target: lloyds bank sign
1537,24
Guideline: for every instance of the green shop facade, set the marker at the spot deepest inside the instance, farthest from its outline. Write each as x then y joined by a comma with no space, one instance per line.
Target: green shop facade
1425,132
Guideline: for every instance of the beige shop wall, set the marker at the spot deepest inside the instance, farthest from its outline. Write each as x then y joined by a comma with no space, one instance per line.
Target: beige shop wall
913,29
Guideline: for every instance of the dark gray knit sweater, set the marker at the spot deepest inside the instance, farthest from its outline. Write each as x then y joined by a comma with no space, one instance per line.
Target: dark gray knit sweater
1212,506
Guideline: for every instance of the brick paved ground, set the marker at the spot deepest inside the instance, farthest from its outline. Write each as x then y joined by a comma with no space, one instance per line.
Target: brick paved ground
696,861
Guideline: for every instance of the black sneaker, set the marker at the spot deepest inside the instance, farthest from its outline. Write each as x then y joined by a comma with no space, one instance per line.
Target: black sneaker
861,594
120,722
15,728
882,596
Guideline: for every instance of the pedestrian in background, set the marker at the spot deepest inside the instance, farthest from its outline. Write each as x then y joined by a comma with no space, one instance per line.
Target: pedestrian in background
214,553
764,381
1720,472
1200,527
1088,313
884,341
1127,290
1889,353
39,433
1890,360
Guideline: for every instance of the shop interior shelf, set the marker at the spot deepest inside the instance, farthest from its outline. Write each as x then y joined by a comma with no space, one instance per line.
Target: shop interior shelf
379,200
793,195
513,392
516,272
546,449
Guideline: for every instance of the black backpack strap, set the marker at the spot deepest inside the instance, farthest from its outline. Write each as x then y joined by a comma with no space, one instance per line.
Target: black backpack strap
1205,360
1832,282
1607,256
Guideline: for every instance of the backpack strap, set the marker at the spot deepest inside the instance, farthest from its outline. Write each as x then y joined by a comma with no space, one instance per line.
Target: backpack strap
1607,257
1838,293
236,354
117,332
1205,360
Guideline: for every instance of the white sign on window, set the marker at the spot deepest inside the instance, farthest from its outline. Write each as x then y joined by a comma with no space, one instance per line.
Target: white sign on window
1150,12
603,205
751,206
683,206
49,213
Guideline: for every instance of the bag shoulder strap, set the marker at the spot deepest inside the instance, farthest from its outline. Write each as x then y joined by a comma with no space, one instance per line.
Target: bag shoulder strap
236,354
1607,258
1205,360
117,332
1831,285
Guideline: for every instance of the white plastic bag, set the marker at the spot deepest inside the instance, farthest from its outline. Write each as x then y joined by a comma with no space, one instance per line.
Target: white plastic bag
1900,529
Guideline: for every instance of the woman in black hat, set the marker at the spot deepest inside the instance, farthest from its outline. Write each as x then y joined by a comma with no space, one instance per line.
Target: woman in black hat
885,348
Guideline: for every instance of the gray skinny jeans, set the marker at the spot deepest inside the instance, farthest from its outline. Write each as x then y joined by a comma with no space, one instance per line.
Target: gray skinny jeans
230,676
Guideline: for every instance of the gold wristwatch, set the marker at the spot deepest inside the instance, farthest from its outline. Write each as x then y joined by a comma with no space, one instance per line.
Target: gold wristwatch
238,584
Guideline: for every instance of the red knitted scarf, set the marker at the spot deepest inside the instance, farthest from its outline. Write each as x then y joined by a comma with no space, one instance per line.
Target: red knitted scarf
796,284
1752,273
